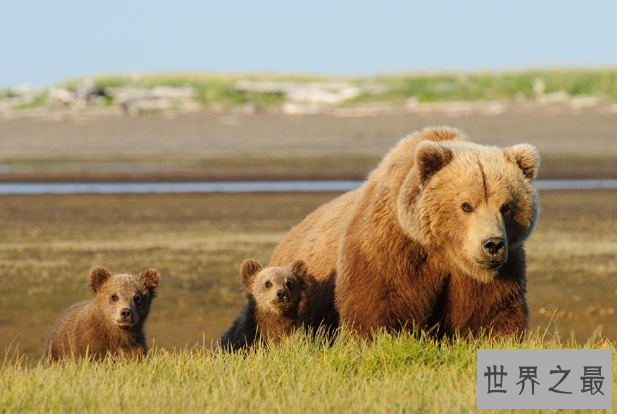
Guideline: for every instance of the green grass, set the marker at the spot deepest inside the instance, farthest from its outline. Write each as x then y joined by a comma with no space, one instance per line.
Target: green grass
402,373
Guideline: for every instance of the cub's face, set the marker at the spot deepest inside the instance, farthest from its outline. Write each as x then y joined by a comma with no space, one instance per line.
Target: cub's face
473,202
275,289
124,299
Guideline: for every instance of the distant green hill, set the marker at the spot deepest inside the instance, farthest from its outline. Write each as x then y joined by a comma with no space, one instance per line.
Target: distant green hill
425,87
271,90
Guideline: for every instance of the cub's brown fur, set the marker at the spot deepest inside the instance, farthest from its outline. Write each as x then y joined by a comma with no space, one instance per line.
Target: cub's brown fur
433,238
109,323
274,298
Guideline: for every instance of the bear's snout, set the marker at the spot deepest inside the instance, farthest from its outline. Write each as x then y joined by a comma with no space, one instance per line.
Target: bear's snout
282,294
126,314
495,248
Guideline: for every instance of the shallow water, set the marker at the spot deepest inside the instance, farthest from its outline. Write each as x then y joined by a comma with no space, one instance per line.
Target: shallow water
246,187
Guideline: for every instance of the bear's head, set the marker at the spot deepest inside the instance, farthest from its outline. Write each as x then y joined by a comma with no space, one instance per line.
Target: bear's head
124,300
275,289
472,202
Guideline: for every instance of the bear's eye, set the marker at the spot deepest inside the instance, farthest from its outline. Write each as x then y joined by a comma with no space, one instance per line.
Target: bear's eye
505,209
114,297
137,299
289,284
467,208
268,284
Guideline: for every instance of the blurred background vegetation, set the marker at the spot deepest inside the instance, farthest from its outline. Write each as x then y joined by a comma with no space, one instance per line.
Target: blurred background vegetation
223,91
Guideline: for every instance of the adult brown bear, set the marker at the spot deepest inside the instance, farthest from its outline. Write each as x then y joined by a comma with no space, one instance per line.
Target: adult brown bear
432,239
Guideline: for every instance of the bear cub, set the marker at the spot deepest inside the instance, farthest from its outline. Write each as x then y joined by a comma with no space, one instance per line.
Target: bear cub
274,297
111,322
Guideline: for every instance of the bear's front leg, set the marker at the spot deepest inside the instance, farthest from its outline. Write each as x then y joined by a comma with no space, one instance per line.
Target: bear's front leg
363,306
510,318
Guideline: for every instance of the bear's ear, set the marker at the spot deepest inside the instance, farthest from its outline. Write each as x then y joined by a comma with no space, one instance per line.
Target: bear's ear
299,268
98,276
150,278
430,157
248,270
526,157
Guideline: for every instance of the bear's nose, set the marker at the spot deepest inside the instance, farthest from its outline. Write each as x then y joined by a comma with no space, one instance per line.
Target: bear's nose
126,314
282,294
494,247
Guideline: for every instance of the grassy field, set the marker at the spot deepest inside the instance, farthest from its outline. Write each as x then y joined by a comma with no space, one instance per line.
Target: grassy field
49,243
395,374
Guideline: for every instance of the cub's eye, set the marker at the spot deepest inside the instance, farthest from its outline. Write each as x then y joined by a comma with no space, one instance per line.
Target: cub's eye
137,300
505,209
268,284
114,297
289,284
467,208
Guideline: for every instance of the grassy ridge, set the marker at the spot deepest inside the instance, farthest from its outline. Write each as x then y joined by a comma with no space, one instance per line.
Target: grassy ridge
498,85
210,88
218,89
403,373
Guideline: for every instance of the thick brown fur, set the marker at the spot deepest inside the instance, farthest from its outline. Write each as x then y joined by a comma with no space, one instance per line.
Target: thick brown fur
406,250
275,297
110,323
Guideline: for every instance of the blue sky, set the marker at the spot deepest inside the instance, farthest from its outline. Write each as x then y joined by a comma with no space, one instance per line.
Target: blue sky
44,42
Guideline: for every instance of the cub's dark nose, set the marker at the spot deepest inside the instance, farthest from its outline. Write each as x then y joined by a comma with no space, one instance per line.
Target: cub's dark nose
126,314
494,247
282,294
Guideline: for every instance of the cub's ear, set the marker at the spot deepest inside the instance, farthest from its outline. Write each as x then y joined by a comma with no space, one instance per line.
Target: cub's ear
98,276
299,268
430,157
248,271
150,278
526,157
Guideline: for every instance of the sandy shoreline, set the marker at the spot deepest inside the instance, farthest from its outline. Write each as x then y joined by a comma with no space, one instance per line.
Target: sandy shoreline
203,146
